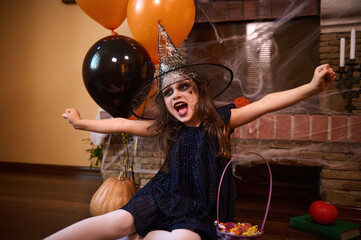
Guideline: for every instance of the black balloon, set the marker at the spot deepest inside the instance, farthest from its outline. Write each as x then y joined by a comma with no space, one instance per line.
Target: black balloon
114,69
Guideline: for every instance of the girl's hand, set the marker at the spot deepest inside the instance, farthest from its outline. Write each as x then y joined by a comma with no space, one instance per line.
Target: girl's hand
322,77
72,115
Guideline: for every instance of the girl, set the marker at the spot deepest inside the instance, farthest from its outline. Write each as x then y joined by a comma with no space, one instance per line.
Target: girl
180,201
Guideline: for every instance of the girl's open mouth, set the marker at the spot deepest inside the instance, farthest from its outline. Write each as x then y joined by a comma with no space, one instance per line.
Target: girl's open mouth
181,108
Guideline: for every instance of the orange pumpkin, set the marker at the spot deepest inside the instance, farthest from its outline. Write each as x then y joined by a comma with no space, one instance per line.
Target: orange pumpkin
113,194
241,101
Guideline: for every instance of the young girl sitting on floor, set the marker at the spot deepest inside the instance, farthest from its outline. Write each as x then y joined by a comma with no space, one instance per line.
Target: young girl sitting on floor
180,201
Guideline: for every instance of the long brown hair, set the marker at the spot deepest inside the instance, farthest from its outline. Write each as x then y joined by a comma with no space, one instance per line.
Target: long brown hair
165,124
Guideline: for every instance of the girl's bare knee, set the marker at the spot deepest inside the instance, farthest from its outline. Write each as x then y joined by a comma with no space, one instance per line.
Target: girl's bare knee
121,221
180,234
158,235
134,236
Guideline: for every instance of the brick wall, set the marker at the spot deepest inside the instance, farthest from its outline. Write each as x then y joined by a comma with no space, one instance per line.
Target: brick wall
140,151
315,128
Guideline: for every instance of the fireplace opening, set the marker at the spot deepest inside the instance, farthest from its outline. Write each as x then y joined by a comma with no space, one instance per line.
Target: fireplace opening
294,189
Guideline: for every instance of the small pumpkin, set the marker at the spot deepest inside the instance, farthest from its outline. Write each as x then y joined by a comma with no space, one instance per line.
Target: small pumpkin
113,194
323,212
241,102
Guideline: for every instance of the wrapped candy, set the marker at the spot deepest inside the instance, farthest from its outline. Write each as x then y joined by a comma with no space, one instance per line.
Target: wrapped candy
244,229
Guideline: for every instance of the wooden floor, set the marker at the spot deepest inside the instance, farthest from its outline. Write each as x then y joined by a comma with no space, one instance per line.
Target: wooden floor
35,204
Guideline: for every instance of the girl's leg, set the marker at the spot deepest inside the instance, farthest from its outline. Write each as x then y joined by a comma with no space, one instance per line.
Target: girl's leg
134,236
113,225
158,235
178,234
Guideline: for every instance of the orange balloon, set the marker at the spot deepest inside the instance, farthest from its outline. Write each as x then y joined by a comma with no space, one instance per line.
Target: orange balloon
176,16
109,13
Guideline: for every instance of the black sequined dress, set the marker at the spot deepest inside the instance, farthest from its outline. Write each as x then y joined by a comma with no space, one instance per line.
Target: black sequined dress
185,196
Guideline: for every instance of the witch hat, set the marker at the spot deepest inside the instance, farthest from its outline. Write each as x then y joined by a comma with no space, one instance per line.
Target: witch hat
171,66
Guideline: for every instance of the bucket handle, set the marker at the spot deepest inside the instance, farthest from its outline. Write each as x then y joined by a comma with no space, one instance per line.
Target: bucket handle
270,185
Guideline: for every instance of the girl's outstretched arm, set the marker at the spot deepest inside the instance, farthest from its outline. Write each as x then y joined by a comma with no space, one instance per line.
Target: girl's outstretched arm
108,126
322,77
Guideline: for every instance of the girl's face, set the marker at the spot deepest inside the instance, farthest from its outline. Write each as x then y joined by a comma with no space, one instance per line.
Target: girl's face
181,101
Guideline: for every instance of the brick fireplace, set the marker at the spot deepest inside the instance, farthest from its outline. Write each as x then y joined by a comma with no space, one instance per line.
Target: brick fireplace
329,139
332,143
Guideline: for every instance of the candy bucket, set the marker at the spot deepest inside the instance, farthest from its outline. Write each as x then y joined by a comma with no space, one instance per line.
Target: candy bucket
230,236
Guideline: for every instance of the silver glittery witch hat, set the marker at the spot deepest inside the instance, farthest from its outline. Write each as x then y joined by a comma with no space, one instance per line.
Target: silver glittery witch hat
171,62
172,69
